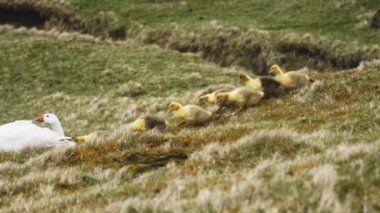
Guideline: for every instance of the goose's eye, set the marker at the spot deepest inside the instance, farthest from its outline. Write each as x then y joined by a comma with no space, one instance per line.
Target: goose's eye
47,116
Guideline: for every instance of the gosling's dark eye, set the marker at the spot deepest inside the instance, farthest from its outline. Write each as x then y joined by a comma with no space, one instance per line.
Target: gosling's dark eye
47,115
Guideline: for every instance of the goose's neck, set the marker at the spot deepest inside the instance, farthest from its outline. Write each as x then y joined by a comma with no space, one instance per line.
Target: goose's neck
251,79
280,72
57,127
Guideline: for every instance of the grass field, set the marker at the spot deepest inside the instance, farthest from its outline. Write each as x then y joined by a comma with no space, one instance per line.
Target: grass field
313,149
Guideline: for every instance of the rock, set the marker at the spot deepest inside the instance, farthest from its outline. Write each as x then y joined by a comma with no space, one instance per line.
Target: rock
375,22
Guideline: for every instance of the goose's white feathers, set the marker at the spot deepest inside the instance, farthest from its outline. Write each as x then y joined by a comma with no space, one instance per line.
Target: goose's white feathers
24,133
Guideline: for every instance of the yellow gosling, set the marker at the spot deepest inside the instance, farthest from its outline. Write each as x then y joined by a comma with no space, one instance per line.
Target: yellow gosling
248,81
90,137
148,122
211,97
190,114
269,85
291,79
241,97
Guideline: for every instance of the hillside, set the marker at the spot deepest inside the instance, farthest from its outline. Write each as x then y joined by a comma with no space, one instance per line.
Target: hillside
313,149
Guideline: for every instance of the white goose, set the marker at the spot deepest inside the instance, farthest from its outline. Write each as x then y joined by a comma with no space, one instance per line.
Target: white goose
21,134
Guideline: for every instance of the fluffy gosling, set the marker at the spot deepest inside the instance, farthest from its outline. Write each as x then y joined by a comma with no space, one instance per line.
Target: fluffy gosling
89,137
210,98
148,122
291,79
241,97
191,114
270,86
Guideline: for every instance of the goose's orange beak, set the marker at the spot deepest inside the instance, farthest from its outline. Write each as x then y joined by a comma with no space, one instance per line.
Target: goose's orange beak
40,118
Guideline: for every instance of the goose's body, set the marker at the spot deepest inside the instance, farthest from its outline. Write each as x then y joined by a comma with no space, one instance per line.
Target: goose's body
291,79
269,85
18,135
241,97
191,114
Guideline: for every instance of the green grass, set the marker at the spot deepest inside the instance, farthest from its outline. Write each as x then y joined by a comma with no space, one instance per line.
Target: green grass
89,71
314,149
81,67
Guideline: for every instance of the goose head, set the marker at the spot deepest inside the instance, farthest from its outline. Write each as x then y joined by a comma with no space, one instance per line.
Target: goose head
244,78
91,136
138,125
52,120
275,69
174,106
47,118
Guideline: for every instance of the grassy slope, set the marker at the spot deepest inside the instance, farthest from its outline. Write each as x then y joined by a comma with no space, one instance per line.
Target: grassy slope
334,19
316,149
89,72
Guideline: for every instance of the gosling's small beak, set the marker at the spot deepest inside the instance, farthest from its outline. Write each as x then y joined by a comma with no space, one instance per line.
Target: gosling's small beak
40,118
